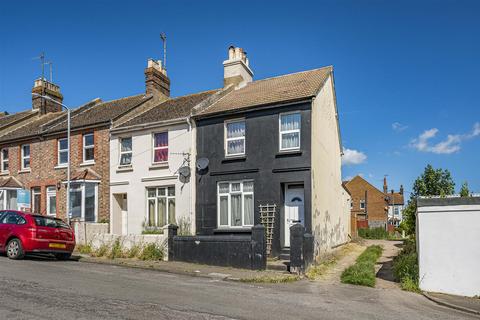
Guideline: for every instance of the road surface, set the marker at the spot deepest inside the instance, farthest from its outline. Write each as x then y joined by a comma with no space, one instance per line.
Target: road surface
48,289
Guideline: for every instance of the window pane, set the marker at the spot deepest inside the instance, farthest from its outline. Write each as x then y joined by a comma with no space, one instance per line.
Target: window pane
248,205
248,186
126,144
11,199
162,212
52,209
76,201
236,129
126,159
236,146
236,201
5,166
223,187
161,139
171,191
224,210
290,140
4,154
89,154
151,192
26,163
236,187
62,144
161,191
63,157
171,211
26,151
89,202
151,212
161,155
88,140
290,122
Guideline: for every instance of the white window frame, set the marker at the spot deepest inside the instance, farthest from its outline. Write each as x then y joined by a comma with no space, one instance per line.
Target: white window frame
159,148
121,152
157,195
229,194
3,160
226,139
85,147
36,191
280,132
24,157
51,192
60,151
82,189
362,204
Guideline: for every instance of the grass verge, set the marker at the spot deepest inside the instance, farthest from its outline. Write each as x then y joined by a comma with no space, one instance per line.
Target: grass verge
272,279
363,271
405,267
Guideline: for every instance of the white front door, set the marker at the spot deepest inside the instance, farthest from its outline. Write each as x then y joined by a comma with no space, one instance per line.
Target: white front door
124,215
294,209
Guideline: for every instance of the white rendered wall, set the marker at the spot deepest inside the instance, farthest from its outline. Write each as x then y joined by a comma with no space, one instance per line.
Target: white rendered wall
448,239
135,182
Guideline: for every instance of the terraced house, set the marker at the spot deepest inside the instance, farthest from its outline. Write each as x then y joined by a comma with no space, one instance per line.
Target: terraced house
34,153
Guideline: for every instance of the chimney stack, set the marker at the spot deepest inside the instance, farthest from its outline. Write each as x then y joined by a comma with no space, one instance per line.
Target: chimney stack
401,189
42,87
236,69
385,187
156,81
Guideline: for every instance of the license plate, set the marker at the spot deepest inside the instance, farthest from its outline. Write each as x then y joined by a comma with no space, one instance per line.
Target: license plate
57,245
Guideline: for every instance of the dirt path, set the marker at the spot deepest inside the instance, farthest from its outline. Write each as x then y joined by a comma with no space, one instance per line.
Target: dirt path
384,267
346,257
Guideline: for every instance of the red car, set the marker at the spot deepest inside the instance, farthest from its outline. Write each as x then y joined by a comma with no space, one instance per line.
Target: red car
22,233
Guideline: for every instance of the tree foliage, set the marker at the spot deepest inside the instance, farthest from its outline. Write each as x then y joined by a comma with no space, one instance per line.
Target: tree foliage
464,191
432,182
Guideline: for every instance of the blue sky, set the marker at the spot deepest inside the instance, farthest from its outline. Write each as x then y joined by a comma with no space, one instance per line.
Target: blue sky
406,73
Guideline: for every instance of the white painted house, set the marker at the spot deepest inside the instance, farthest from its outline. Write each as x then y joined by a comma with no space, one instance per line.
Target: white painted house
448,246
151,168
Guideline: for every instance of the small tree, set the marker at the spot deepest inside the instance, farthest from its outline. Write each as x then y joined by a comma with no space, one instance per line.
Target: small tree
432,182
464,191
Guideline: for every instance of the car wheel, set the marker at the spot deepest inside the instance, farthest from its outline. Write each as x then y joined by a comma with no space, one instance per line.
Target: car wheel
63,256
15,249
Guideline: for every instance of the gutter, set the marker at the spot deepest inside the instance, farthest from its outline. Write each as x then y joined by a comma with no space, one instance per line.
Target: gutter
151,125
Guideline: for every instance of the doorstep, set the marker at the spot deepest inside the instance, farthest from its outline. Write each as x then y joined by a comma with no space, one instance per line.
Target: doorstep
190,269
465,304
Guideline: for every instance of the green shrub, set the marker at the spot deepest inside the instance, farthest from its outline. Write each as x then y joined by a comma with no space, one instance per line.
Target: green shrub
134,251
152,252
84,248
373,233
363,271
152,231
405,267
101,251
116,251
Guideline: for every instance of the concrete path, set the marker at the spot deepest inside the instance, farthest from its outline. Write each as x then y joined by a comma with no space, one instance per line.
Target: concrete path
48,289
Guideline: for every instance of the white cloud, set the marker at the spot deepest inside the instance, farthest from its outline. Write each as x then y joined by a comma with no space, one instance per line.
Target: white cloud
398,127
450,145
351,157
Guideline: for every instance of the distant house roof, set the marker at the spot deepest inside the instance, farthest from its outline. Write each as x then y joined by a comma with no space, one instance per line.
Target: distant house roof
98,114
170,109
287,88
395,198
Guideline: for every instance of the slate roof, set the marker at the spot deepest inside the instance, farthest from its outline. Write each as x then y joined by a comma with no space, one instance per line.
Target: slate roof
30,128
286,88
100,113
10,119
170,109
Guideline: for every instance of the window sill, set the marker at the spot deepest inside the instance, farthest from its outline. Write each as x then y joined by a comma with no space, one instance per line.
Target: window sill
61,166
25,171
128,168
233,230
289,153
160,165
4,173
86,164
234,158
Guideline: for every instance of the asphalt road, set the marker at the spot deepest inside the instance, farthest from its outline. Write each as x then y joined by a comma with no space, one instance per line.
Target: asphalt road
47,289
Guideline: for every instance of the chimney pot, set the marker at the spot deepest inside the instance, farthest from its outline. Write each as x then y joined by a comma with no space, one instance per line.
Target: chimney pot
236,69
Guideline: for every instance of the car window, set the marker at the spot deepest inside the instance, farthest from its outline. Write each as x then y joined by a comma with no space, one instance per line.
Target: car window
50,222
12,218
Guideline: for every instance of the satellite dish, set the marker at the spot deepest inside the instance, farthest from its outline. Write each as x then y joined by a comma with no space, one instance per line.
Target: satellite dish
184,171
202,163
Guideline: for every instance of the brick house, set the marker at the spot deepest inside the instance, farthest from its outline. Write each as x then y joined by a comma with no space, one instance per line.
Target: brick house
34,151
369,205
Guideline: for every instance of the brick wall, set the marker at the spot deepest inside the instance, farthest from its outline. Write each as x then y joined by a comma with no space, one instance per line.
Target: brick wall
43,171
376,205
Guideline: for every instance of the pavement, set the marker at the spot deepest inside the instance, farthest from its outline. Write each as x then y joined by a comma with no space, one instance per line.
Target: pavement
466,304
38,288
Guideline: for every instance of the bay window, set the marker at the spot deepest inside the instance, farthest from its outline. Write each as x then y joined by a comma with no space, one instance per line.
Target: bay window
25,155
84,201
125,151
160,206
235,137
160,147
290,125
88,148
235,204
4,160
62,157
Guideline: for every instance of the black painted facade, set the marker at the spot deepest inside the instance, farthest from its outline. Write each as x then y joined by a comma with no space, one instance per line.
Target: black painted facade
263,163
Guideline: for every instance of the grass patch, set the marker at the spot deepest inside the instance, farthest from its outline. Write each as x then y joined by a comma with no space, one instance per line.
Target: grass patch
373,233
84,248
134,251
101,251
152,231
272,279
116,251
152,252
317,270
405,267
363,271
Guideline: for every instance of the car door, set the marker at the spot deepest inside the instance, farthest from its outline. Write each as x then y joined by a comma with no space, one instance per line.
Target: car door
5,228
